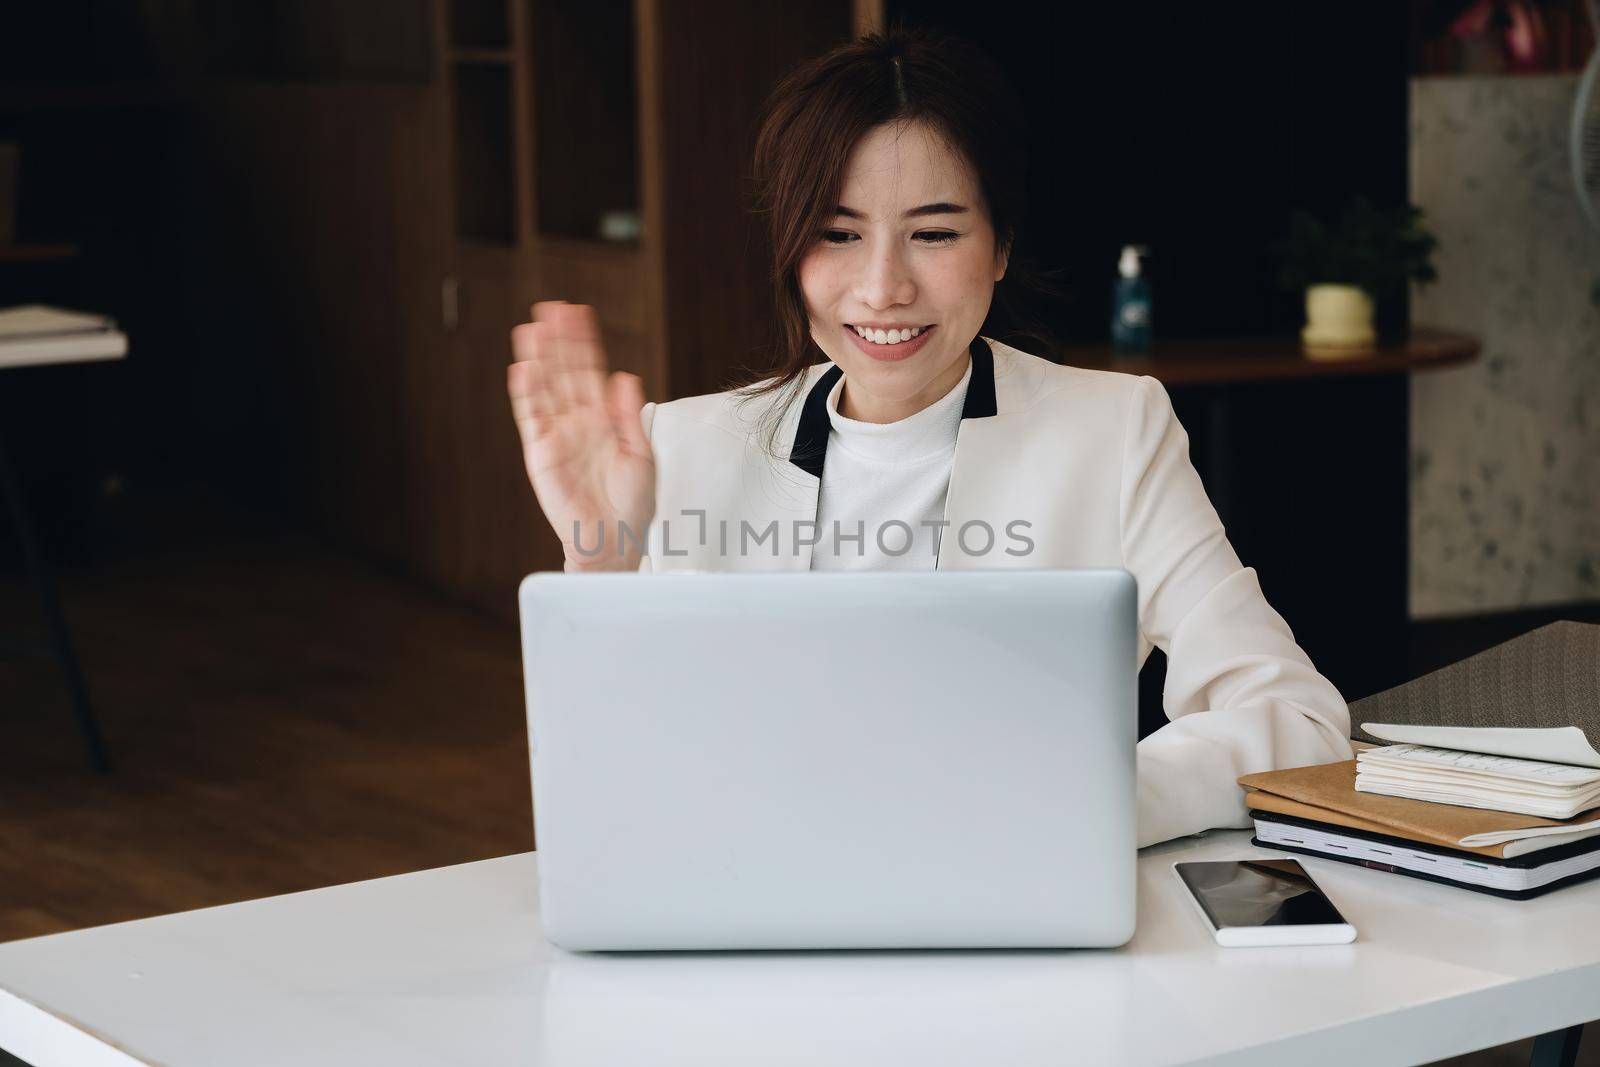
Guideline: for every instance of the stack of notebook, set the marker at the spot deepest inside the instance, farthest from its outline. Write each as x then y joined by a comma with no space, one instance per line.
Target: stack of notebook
1479,780
1514,812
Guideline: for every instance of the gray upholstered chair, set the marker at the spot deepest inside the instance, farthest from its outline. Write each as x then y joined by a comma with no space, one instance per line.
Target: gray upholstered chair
1547,677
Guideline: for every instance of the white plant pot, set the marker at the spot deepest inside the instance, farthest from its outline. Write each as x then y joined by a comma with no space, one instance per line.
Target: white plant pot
1338,321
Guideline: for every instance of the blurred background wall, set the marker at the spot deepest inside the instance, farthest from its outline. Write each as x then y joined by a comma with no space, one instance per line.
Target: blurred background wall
1505,451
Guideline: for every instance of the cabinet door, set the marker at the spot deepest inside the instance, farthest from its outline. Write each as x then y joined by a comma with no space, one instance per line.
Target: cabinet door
496,530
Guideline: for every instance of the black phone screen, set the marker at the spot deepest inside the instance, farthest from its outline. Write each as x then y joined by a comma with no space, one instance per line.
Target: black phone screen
1257,893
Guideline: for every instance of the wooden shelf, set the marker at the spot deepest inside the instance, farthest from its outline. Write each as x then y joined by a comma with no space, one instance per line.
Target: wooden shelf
480,255
479,24
584,247
1249,359
485,178
481,55
586,120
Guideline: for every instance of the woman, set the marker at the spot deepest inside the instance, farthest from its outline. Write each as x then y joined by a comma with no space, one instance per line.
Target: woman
890,173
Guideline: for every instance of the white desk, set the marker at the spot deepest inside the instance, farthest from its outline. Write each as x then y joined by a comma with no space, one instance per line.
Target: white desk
449,967
34,335
90,348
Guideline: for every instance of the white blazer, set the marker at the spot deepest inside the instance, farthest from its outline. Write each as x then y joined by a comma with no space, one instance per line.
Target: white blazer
1097,466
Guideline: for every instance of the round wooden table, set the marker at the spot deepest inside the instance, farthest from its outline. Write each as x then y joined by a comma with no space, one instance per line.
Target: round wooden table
1252,359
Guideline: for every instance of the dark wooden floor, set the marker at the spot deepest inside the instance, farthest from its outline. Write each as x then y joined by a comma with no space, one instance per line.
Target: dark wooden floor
282,716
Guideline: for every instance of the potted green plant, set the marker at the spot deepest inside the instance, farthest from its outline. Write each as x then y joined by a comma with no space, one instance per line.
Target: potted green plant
1344,268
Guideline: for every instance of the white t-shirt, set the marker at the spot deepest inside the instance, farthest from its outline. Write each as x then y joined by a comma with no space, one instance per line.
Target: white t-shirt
883,486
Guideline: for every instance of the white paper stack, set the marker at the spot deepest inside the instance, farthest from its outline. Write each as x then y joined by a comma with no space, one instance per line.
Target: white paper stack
34,334
1479,780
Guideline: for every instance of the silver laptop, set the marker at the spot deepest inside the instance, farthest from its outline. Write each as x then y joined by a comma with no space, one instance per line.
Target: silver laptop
833,760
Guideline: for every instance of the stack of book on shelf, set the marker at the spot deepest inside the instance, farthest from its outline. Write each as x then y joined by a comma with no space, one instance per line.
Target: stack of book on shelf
1509,811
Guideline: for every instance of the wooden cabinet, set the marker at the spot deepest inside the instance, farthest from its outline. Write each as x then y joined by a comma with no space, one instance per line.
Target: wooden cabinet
595,151
598,153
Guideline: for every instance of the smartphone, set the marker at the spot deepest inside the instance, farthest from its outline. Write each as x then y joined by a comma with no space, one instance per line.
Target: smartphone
1262,902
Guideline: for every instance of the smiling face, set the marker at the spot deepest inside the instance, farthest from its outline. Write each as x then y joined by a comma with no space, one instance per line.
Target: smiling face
912,246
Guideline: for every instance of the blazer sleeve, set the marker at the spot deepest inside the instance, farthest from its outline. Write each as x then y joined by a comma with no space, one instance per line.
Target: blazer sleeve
647,415
1241,695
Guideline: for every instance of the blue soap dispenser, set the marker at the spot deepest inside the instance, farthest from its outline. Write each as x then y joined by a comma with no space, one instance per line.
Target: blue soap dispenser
1130,305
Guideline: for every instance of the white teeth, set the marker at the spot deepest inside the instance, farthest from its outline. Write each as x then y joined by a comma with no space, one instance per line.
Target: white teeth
888,337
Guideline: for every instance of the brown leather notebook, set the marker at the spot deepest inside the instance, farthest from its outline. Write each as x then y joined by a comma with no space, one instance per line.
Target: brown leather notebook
1326,792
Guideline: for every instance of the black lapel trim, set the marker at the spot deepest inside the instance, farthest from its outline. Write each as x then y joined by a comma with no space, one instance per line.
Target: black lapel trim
811,436
980,402
811,439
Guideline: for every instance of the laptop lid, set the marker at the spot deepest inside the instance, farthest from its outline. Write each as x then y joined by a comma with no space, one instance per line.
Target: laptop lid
833,760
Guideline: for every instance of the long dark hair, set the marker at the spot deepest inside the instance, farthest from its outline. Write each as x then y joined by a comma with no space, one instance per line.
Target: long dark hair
812,120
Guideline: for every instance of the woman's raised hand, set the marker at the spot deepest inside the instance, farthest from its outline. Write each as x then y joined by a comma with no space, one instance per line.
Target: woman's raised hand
587,455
